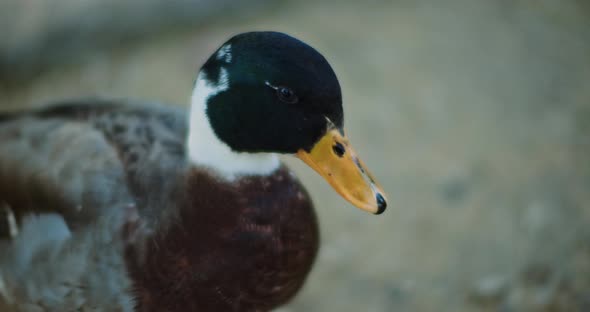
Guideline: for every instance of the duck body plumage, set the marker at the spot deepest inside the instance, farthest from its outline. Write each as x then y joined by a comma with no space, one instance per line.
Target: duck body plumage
143,228
110,205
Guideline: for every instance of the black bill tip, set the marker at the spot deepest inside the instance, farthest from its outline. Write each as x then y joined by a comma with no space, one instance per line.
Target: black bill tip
381,204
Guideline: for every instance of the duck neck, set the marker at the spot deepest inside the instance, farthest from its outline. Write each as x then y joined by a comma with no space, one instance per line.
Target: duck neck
205,149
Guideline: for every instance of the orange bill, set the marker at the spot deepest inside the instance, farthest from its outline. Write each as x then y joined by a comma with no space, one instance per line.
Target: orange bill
334,159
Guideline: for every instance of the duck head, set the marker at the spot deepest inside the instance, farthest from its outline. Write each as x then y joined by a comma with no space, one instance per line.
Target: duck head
266,93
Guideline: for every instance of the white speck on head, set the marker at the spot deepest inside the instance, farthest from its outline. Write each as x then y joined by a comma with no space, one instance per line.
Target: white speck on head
223,82
224,54
206,149
330,123
271,85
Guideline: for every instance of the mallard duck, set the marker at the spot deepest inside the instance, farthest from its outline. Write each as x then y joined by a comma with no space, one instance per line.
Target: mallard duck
120,205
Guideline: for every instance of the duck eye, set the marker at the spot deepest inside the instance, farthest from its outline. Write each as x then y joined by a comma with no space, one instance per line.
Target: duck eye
286,95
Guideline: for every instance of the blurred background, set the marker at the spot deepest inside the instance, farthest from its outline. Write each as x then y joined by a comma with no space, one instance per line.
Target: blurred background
474,115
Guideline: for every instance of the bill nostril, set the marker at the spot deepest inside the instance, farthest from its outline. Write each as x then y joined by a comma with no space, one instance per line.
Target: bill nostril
339,149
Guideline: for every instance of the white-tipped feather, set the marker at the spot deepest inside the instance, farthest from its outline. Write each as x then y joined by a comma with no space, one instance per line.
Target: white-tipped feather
10,220
206,149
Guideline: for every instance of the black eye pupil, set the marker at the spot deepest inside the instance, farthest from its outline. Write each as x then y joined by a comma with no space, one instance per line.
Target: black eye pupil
286,93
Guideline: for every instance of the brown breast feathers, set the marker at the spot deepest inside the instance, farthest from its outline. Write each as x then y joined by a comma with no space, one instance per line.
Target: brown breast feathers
229,248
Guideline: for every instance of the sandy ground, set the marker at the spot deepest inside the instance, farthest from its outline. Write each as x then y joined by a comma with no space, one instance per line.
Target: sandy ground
474,115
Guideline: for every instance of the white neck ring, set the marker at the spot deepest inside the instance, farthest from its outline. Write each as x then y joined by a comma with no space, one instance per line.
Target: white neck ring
207,150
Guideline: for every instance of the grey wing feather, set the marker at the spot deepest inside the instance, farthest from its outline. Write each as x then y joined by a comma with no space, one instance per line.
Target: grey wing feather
80,157
58,166
79,164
